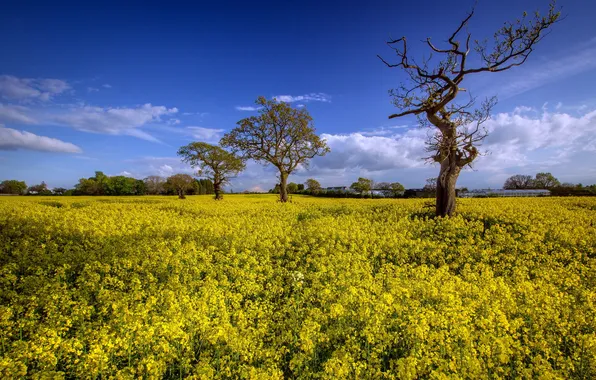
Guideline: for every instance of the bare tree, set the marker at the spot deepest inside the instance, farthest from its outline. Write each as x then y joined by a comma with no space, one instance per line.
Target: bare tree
281,136
432,90
154,184
213,162
519,181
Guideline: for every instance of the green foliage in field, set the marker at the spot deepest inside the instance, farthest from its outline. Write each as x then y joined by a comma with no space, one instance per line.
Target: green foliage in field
252,288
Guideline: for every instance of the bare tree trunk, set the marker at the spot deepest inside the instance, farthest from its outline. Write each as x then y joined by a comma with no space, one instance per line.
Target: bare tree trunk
181,194
283,187
446,185
217,191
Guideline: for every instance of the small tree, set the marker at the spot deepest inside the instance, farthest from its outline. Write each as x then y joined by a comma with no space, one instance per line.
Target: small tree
363,186
180,183
545,181
213,162
518,182
59,190
12,186
313,185
434,86
393,190
281,136
292,188
431,185
41,189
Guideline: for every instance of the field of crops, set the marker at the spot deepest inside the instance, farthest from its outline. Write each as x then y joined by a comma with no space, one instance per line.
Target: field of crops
248,287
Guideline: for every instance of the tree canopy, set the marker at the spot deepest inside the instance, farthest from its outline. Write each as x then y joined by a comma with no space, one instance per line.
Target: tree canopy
180,183
212,162
362,186
13,186
312,184
280,135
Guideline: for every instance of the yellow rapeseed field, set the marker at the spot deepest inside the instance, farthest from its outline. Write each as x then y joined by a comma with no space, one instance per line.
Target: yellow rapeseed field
155,287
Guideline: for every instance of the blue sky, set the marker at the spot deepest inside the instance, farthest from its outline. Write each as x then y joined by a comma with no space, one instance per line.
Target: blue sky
119,87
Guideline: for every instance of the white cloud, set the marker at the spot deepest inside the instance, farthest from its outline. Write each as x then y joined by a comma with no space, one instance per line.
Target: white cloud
125,173
312,97
373,153
162,166
10,113
248,108
11,139
205,134
522,141
106,85
92,89
546,139
23,89
112,121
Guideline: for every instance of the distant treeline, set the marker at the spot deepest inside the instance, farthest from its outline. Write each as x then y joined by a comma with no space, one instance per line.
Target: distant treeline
101,184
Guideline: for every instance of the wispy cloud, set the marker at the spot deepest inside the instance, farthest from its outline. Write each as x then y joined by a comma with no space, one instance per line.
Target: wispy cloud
27,89
106,85
247,108
383,130
162,166
205,134
10,113
12,139
312,97
535,74
105,120
112,121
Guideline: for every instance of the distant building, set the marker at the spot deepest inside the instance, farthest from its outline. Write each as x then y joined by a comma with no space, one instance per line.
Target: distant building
504,193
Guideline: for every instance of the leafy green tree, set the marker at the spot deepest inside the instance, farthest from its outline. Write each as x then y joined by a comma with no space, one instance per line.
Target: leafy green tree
12,186
394,189
120,185
433,85
281,136
292,188
180,184
313,185
363,186
88,186
545,181
102,181
140,187
275,189
213,162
